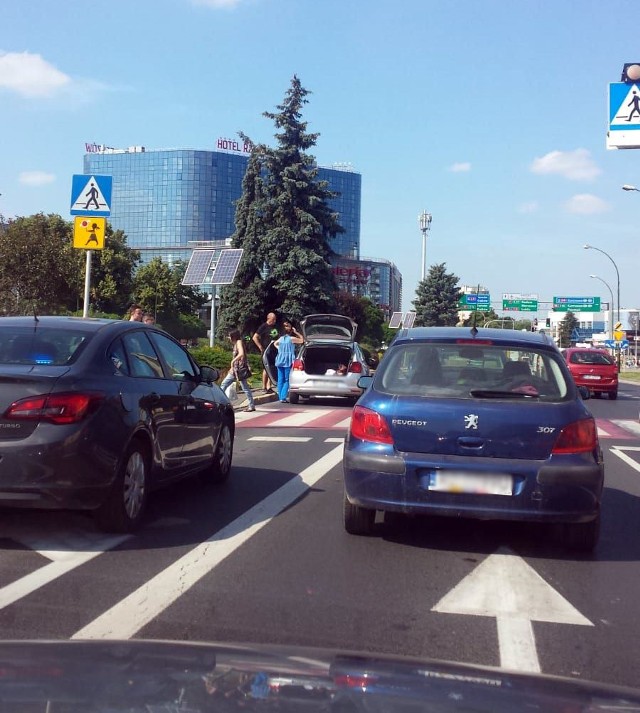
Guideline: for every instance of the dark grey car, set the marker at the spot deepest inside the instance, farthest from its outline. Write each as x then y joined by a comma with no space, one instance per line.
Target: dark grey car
95,414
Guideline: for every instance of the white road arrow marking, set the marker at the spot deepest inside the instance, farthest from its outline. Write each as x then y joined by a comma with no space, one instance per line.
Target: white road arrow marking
505,587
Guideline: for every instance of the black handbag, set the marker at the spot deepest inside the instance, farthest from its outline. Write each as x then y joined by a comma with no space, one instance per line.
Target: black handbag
243,371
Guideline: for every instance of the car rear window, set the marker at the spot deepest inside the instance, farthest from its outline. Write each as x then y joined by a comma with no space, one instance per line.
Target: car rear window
452,370
590,358
40,345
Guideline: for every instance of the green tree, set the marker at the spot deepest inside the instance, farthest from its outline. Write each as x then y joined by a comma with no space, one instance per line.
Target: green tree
566,327
158,288
436,302
244,302
39,268
284,222
112,273
368,316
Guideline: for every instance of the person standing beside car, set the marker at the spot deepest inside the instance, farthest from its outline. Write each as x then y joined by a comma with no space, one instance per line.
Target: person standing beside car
286,355
239,368
262,338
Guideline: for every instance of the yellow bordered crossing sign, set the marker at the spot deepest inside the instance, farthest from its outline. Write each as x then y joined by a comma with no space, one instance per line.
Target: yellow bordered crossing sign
88,233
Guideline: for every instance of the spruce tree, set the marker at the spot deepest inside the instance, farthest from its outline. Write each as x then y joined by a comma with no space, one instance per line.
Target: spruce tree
298,221
242,303
436,302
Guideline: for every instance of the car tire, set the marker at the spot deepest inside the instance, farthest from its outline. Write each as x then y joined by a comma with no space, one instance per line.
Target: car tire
613,395
358,520
220,468
124,507
582,536
294,398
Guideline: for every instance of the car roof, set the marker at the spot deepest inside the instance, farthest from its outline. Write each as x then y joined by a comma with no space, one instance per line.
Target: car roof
502,336
81,324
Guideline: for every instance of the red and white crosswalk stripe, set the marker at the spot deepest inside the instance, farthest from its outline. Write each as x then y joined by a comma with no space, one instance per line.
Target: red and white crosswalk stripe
617,428
294,418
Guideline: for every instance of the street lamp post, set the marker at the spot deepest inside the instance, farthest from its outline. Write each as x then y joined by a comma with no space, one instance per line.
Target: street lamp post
595,277
627,187
591,247
424,220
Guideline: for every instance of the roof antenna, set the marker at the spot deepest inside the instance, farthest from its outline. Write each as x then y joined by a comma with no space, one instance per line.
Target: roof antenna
35,315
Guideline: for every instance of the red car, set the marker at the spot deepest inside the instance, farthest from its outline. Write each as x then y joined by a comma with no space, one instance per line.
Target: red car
594,368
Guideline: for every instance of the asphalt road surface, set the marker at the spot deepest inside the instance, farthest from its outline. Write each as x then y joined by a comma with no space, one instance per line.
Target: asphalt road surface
265,559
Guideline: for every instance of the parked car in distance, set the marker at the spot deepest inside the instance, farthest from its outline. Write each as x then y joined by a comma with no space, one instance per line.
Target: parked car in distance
330,361
95,414
595,369
483,424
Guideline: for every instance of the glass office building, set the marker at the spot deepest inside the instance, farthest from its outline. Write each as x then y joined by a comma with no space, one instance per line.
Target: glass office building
376,279
165,199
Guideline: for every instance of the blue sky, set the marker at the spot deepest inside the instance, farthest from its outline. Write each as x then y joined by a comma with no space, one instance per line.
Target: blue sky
489,114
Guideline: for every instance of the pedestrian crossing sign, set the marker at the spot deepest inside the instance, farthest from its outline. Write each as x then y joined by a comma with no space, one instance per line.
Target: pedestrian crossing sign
88,233
91,195
624,116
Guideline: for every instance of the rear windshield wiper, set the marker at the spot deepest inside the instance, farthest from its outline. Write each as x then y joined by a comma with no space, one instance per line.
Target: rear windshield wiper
496,394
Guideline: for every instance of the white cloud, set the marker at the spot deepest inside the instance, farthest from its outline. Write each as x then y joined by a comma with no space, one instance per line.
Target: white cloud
460,167
217,3
586,204
529,207
30,75
36,178
575,165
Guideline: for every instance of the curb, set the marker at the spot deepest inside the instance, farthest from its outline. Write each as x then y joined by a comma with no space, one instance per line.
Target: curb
259,397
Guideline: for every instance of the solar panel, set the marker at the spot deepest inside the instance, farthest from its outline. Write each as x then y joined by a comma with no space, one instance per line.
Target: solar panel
225,271
198,267
409,320
396,319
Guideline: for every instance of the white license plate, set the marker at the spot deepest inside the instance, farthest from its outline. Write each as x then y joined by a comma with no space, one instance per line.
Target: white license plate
594,377
454,482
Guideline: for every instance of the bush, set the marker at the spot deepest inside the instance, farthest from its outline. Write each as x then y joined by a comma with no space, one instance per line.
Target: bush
220,358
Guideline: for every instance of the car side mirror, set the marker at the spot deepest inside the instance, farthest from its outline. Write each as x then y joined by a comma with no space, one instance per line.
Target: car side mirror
584,393
364,382
209,374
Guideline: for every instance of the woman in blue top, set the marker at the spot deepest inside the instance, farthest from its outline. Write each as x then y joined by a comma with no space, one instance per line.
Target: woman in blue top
284,359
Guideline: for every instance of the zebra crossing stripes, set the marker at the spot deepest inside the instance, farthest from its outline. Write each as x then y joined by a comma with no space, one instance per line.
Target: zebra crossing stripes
323,418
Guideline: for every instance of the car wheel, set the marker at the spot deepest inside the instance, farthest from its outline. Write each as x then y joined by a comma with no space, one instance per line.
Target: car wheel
613,395
220,467
124,508
582,536
357,520
294,398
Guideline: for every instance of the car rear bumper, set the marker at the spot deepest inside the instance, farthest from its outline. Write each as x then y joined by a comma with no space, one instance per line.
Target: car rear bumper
602,386
318,388
58,475
566,490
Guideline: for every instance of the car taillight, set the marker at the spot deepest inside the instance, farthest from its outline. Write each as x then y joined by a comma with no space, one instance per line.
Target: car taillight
355,367
367,425
298,365
60,408
578,437
355,681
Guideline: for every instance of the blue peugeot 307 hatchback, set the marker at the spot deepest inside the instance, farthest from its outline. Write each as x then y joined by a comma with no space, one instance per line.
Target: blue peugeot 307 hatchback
474,423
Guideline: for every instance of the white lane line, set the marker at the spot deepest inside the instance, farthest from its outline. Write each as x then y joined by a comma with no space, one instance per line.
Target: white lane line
343,424
336,439
618,451
134,612
283,439
63,562
300,418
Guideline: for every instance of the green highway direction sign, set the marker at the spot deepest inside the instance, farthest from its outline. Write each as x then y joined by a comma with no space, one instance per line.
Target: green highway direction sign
576,304
475,302
519,303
